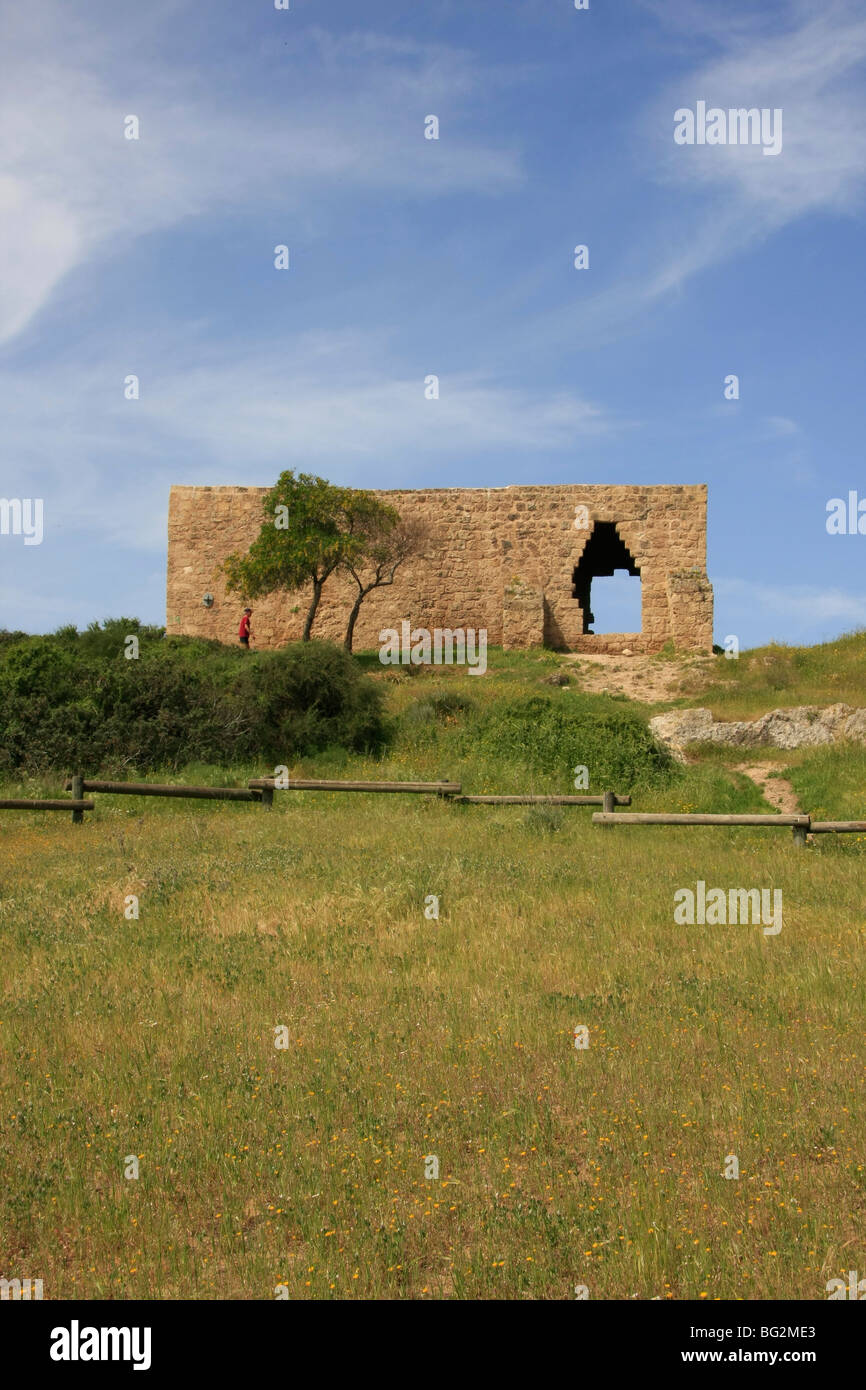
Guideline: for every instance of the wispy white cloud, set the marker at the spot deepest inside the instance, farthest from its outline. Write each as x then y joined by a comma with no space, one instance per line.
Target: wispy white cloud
252,409
71,183
812,73
727,199
104,464
780,427
802,602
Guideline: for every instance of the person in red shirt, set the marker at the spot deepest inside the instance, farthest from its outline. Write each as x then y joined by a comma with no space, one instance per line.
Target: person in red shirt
244,632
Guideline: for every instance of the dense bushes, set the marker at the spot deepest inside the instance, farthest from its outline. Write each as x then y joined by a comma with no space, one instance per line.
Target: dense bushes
307,697
551,736
73,700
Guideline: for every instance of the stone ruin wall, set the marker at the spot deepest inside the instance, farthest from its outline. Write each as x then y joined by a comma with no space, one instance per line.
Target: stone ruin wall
499,558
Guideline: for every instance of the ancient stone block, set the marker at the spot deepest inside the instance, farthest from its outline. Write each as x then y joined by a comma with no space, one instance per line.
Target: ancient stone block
556,539
522,615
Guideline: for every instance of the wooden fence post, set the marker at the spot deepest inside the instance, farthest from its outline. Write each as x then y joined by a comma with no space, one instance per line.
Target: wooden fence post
608,804
77,795
799,832
267,797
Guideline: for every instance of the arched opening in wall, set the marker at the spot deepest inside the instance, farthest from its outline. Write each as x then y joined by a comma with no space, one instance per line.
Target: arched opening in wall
602,582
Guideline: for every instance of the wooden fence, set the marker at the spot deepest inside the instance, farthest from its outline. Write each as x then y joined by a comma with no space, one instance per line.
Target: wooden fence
451,790
801,826
261,790
838,827
168,789
266,786
602,800
77,807
258,789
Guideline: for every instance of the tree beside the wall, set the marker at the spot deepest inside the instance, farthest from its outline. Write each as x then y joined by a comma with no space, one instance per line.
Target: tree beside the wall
311,528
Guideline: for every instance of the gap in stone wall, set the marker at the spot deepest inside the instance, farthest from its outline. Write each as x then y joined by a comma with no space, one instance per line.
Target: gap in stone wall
605,555
616,603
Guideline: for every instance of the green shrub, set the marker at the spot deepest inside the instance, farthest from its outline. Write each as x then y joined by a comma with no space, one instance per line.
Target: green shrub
307,697
108,639
551,737
73,701
439,705
445,702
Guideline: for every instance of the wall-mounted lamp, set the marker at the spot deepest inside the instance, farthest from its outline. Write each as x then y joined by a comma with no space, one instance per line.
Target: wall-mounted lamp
208,600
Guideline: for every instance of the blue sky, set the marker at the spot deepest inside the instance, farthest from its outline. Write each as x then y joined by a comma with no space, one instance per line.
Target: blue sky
411,256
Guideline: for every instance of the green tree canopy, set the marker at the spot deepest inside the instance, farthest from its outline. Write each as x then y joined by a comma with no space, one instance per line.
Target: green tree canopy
311,528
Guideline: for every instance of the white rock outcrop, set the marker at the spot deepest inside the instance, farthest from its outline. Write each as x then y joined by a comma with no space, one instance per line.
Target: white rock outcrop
803,726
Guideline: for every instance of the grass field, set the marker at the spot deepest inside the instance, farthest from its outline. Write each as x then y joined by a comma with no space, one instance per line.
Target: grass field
767,677
408,1038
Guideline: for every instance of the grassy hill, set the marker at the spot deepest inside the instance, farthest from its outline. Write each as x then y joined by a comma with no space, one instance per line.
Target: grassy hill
409,1037
766,677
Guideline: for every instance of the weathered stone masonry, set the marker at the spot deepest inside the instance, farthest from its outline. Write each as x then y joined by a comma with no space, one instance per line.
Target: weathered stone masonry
511,560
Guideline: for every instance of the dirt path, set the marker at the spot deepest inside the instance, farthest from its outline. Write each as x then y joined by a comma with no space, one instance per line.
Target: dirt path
777,790
646,678
650,679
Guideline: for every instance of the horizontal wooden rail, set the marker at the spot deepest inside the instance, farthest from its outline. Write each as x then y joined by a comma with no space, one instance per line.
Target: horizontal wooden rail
540,800
261,790
67,805
841,827
158,789
696,818
294,785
